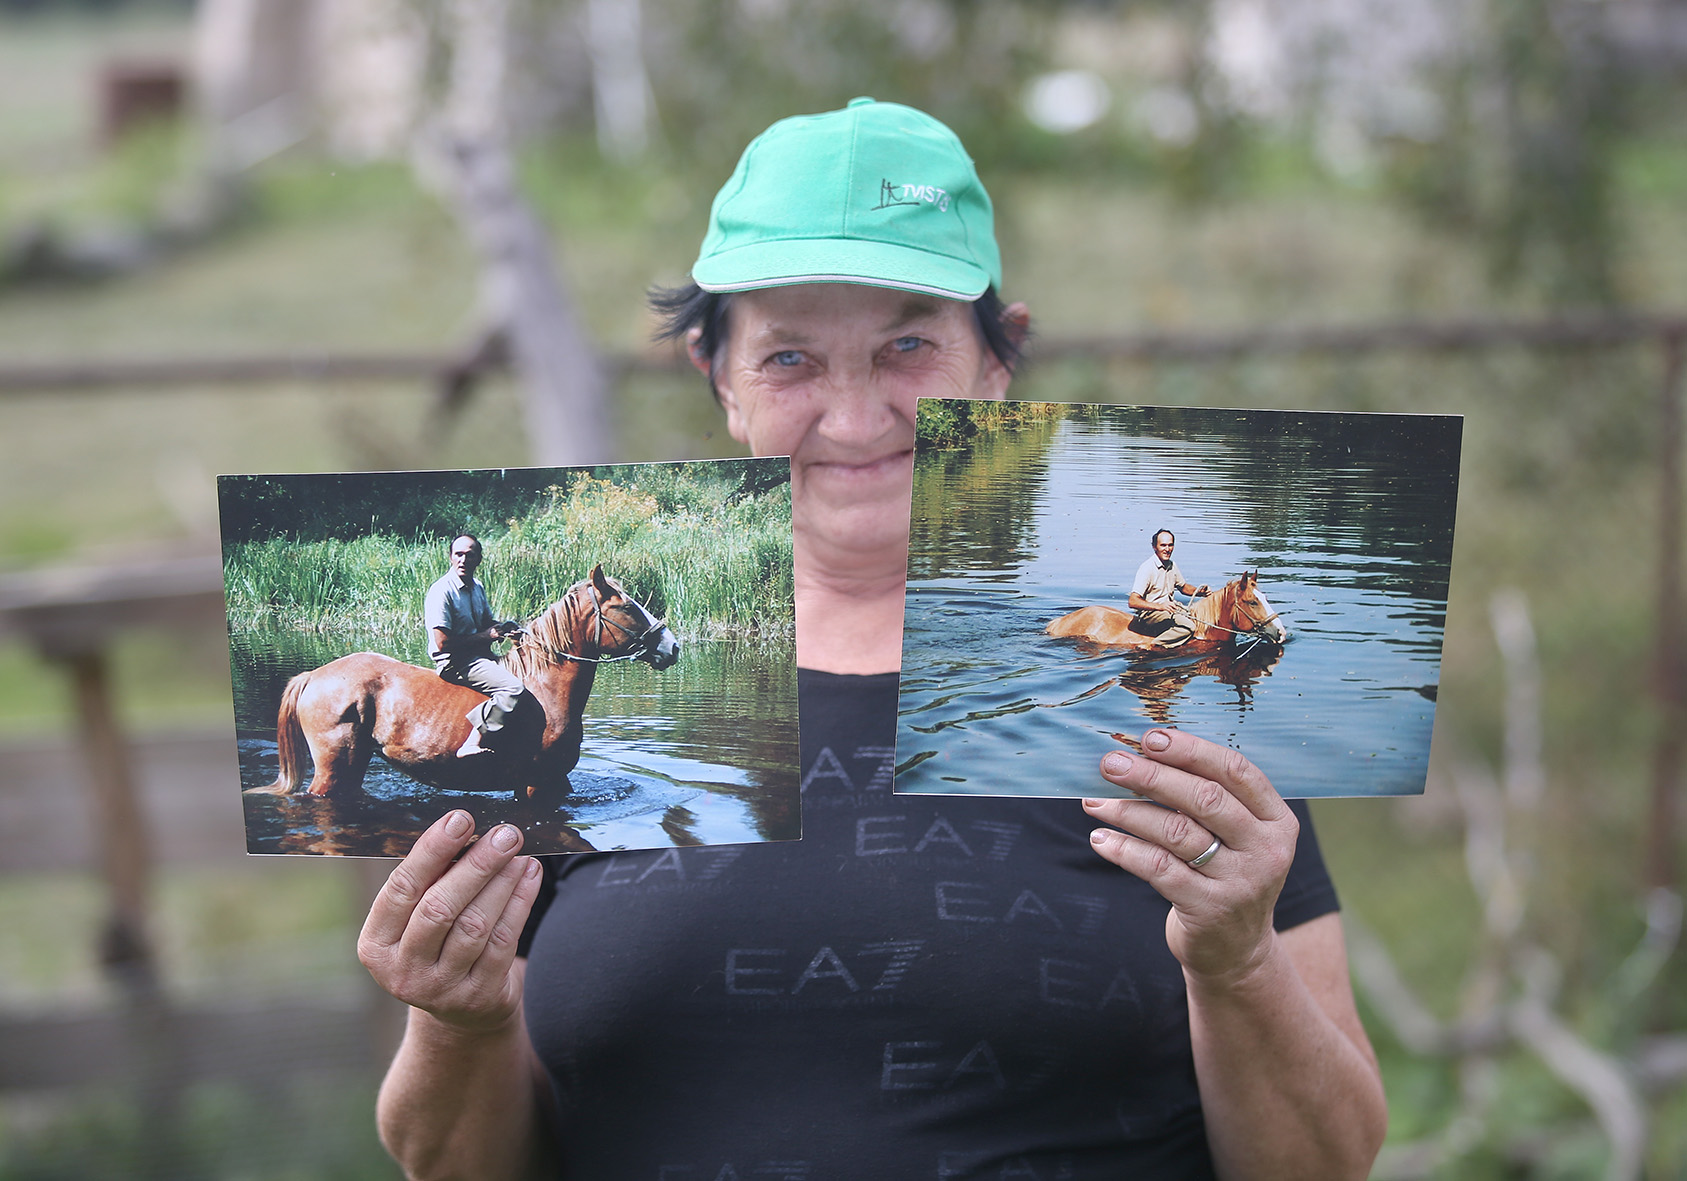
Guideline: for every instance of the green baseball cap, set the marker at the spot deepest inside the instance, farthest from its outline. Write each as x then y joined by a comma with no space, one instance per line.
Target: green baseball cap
877,193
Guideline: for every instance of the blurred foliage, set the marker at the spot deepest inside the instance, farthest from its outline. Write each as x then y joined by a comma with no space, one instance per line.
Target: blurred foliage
709,548
85,7
219,1131
950,422
1538,108
719,66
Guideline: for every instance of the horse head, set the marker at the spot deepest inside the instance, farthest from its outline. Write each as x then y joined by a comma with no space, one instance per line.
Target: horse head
626,628
1251,612
595,612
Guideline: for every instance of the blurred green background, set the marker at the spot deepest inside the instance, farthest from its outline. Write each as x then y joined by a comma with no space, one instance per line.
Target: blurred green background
1191,167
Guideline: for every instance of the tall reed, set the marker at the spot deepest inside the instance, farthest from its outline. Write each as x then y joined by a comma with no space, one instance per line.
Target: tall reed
713,562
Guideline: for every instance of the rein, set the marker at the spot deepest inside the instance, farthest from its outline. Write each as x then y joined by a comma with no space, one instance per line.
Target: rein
1253,630
642,641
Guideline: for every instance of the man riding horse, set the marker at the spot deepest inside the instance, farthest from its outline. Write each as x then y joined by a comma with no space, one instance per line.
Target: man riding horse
1151,594
461,632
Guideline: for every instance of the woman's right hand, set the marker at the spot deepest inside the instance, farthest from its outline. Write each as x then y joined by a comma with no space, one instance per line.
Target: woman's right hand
441,935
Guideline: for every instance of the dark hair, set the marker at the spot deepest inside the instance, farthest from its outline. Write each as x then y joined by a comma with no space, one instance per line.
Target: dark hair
1154,539
478,548
683,308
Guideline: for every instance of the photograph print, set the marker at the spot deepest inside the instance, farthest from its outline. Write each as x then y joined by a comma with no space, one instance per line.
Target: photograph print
601,656
1272,580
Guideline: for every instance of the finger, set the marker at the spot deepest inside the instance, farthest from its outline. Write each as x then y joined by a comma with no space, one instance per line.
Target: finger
473,927
1174,831
428,858
499,952
1204,800
1221,764
1159,867
424,936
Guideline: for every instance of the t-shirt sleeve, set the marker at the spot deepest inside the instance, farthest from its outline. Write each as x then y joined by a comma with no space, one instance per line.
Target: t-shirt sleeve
541,903
1308,892
1140,585
434,612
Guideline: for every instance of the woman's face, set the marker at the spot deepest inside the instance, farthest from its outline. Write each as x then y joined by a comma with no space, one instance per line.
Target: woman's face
829,373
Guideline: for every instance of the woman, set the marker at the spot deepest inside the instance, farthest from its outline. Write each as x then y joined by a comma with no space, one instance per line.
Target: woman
923,986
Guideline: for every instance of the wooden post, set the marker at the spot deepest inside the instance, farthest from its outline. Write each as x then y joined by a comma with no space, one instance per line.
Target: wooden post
126,948
1662,870
126,942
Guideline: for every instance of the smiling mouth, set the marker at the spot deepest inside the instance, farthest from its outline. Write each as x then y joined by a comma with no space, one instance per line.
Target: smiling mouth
868,466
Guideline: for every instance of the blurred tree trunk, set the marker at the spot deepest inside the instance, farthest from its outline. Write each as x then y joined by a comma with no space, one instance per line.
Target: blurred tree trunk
620,87
252,73
466,147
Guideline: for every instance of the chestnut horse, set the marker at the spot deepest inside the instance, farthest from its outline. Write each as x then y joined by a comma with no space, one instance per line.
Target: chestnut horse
1239,610
348,708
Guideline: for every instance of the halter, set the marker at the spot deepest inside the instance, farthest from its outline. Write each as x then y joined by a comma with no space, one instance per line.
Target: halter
1255,626
643,643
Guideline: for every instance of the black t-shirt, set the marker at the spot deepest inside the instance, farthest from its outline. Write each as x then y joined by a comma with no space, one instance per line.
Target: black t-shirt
922,987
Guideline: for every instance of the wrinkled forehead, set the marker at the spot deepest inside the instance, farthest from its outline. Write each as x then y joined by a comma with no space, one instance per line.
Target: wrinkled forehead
804,313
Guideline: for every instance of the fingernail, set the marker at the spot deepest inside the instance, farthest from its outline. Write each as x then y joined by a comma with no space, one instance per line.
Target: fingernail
457,823
1156,740
1099,837
532,870
1092,805
505,837
1116,764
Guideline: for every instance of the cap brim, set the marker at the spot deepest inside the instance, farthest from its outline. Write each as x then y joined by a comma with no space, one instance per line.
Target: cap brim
839,260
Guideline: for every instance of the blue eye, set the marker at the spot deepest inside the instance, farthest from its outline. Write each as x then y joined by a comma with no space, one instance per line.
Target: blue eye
907,344
787,358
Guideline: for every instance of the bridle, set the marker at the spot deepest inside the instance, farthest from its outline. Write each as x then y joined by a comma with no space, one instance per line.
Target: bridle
643,643
1255,629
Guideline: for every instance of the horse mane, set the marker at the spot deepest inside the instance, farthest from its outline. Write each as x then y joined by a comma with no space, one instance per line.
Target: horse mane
1212,608
556,629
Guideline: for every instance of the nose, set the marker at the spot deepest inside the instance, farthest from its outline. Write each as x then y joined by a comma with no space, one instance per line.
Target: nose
858,409
665,654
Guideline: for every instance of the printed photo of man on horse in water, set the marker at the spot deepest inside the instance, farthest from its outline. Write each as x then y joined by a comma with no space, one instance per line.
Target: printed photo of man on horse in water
603,656
1077,574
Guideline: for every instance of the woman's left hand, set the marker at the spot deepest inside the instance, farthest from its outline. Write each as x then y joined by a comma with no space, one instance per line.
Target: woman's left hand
1220,922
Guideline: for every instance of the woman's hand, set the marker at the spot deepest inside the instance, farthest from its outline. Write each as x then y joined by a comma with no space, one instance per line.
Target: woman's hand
441,935
1219,927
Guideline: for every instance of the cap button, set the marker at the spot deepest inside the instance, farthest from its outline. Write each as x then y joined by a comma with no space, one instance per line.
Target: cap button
862,101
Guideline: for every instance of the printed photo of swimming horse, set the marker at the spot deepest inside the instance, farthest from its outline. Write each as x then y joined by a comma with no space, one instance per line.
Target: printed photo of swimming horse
1238,616
1273,580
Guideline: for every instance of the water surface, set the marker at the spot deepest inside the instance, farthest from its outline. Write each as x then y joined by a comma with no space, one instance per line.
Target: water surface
704,752
1347,518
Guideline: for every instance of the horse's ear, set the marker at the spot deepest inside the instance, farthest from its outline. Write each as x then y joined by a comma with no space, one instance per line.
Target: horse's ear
601,584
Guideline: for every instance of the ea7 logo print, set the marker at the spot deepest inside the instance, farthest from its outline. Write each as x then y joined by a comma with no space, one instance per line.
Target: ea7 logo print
878,836
668,867
763,971
890,194
924,1066
979,902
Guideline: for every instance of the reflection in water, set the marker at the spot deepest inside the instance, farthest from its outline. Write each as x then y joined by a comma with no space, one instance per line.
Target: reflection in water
702,753
1348,519
972,508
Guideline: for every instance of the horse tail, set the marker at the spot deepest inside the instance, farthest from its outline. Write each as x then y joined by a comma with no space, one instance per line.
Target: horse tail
290,747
